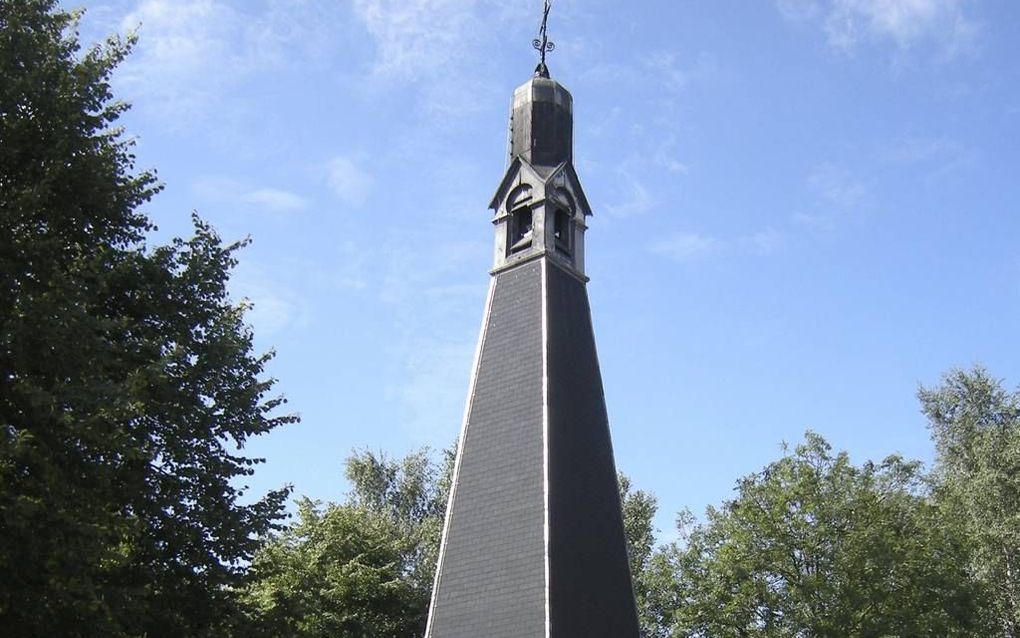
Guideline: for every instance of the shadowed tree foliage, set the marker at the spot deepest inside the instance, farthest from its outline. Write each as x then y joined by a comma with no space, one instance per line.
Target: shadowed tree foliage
815,546
127,379
976,427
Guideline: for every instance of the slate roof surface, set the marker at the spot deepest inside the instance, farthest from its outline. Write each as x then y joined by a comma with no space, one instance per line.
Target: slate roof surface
590,586
492,575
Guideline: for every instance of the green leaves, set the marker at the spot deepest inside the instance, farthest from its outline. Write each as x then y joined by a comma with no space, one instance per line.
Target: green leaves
129,384
337,572
976,427
814,545
360,568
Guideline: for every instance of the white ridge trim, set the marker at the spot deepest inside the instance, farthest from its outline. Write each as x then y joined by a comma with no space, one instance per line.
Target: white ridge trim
545,436
460,452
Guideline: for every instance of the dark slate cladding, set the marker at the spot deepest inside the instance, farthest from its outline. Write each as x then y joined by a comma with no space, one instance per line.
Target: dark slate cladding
542,134
492,574
590,586
541,128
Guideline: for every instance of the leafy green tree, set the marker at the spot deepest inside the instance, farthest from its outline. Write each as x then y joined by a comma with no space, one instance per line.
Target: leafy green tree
128,383
815,546
360,568
339,571
976,427
412,492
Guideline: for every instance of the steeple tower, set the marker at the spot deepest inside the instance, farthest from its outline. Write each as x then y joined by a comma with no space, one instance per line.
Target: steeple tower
540,206
533,545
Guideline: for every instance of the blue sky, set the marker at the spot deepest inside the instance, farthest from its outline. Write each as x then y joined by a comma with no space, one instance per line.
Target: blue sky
803,210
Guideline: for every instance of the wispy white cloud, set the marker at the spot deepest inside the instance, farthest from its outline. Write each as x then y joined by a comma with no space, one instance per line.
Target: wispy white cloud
666,66
274,308
182,35
686,247
837,192
275,199
217,187
837,187
417,42
799,10
183,53
765,242
913,149
930,159
191,53
903,22
652,146
221,188
674,73
418,38
633,196
348,181
665,156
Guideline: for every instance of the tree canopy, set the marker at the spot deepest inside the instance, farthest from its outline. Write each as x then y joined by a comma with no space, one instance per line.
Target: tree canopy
129,384
813,545
975,423
363,567
340,570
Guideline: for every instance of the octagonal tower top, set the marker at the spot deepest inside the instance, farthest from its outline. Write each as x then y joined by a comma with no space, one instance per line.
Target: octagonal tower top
541,123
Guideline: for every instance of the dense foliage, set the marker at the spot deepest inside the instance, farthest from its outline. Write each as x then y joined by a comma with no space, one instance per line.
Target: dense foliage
813,545
340,570
128,381
360,568
976,426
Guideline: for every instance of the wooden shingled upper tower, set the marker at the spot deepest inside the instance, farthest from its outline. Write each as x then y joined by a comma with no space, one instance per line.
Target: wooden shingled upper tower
533,545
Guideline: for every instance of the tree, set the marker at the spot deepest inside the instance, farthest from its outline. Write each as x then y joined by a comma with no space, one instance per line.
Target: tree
128,383
815,546
360,568
976,427
339,571
639,508
413,493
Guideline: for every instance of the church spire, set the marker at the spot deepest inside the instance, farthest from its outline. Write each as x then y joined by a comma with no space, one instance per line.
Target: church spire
533,544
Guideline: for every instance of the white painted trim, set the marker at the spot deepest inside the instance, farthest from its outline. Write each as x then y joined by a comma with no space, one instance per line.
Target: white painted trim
545,437
460,450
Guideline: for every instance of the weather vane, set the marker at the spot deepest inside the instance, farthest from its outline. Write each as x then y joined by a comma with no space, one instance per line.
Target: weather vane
542,43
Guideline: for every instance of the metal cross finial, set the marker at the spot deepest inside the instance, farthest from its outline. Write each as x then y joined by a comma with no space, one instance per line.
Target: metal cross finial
543,43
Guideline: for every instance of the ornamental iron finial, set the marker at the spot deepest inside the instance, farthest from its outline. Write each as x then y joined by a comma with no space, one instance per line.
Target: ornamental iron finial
542,43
